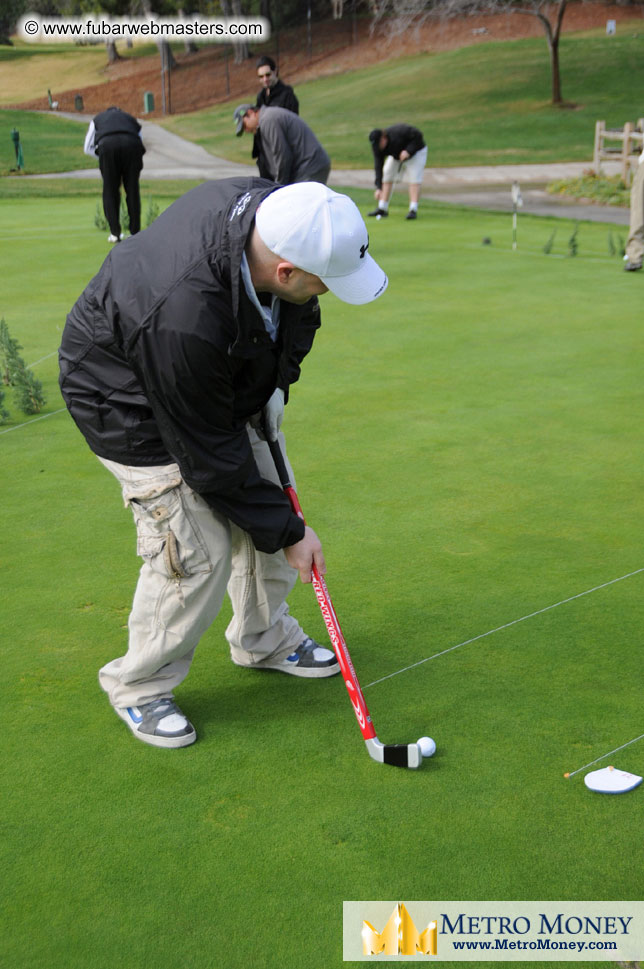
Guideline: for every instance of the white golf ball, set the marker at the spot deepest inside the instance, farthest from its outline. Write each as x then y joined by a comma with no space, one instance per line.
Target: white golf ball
378,218
427,746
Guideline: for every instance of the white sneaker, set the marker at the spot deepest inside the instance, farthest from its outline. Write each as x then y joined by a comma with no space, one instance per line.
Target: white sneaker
309,659
112,238
160,723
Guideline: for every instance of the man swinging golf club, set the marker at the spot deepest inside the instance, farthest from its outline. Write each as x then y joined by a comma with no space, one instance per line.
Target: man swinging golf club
174,358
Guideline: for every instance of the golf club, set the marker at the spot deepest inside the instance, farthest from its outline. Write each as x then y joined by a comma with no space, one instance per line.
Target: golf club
398,755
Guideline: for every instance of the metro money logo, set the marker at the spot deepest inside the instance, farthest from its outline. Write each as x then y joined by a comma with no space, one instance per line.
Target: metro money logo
400,937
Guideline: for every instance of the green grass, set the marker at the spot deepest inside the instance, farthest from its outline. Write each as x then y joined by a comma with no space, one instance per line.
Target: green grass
469,451
482,105
74,188
49,144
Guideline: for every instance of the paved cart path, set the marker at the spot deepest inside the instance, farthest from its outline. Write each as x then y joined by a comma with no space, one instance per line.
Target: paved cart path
487,187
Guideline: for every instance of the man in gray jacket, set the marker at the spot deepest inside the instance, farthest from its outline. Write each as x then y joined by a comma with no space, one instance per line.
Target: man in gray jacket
288,151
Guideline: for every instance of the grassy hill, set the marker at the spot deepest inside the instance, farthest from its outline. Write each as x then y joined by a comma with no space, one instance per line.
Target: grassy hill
486,104
28,70
482,105
49,143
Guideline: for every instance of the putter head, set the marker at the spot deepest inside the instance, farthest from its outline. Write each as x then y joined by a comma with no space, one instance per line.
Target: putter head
397,755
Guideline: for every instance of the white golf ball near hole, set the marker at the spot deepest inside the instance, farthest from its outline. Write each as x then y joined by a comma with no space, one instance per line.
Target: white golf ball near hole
427,746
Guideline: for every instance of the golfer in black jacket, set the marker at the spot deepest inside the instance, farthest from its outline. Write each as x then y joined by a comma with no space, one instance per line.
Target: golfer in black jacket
172,360
398,151
115,136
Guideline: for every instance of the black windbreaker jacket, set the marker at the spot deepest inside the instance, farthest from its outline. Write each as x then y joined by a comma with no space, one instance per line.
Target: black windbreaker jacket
401,137
164,358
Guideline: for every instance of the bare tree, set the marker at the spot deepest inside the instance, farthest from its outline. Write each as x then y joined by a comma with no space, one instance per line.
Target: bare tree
400,15
165,51
233,8
189,45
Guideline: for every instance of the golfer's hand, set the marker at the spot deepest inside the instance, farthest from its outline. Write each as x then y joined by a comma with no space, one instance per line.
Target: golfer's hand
273,414
377,194
305,553
404,155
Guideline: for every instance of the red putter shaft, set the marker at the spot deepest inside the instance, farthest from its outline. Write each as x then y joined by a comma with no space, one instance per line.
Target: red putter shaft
398,755
335,635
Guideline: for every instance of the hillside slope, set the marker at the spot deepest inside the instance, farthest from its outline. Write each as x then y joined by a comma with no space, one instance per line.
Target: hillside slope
210,76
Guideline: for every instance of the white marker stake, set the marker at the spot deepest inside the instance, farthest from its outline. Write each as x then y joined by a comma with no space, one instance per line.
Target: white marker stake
608,780
517,202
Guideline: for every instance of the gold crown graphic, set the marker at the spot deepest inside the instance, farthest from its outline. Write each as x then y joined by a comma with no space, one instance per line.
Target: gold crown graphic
400,937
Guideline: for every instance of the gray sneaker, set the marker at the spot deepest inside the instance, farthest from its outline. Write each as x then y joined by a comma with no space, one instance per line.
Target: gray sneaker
160,723
309,659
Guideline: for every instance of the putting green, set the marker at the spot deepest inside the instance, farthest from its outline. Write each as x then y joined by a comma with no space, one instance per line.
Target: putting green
469,448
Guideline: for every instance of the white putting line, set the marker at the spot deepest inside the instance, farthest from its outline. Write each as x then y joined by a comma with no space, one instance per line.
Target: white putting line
35,364
26,423
604,756
507,625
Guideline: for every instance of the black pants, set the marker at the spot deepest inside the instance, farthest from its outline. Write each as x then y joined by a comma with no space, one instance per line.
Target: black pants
120,159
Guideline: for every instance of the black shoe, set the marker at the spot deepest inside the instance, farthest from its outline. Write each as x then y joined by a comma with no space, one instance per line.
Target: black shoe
412,214
632,267
380,212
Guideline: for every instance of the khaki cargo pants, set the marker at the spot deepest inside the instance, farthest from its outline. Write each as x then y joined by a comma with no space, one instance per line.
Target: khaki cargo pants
192,556
635,243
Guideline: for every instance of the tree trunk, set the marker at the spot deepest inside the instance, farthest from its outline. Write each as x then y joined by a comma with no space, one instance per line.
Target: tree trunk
188,45
265,10
555,72
554,53
232,8
112,54
167,57
553,34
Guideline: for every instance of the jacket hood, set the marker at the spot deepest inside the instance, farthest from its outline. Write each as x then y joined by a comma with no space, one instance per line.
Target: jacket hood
237,226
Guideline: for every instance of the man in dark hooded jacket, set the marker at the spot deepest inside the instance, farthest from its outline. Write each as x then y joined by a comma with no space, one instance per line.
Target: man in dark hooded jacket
175,357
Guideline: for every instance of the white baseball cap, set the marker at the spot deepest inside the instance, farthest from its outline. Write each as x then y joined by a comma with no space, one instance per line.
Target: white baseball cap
323,233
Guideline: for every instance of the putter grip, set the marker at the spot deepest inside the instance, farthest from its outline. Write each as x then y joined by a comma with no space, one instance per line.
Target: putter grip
282,473
280,464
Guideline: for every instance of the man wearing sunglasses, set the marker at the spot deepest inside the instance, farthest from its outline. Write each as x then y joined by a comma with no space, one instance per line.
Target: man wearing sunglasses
275,94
